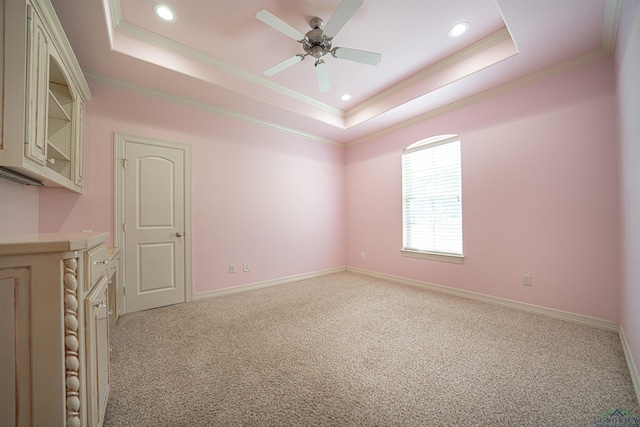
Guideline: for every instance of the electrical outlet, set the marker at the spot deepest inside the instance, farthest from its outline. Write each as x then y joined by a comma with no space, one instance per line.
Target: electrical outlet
361,255
245,267
526,280
232,268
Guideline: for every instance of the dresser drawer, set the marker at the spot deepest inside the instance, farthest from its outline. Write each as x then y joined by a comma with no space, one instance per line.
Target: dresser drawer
98,261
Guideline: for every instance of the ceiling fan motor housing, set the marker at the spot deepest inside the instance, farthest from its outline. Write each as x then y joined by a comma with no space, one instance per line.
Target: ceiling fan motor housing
316,44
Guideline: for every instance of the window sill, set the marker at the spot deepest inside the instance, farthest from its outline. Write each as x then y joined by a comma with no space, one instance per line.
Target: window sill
454,259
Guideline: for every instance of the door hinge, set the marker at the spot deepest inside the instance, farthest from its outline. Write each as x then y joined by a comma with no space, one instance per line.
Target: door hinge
124,290
125,163
124,226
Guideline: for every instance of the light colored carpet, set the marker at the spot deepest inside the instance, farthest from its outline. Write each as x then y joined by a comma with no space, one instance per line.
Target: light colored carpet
351,350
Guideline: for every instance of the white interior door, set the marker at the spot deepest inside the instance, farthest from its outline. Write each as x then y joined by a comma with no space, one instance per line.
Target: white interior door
155,231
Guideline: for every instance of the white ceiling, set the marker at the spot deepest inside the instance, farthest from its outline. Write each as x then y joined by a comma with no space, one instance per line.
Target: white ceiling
213,55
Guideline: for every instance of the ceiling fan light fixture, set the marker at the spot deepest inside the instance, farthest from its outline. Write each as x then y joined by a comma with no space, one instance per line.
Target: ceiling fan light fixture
164,12
458,30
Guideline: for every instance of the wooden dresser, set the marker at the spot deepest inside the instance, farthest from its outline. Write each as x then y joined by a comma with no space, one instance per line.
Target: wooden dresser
54,351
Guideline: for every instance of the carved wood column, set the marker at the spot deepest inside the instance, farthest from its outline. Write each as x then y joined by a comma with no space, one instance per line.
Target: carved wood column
71,342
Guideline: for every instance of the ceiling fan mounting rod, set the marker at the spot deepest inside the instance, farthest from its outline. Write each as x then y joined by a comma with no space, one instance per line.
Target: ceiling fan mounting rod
316,23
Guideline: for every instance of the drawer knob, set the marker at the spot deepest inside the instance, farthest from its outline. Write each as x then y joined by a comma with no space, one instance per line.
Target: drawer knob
101,261
101,304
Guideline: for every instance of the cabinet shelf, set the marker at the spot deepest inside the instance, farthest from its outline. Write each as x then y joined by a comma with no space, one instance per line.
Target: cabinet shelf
54,152
59,122
56,110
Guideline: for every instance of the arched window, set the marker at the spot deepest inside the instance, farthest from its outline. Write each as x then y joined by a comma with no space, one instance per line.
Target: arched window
432,199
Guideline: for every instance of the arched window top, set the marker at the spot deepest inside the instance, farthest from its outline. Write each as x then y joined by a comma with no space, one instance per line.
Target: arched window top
430,142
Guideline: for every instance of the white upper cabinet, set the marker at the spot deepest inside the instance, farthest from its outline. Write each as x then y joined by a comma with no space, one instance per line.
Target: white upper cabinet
44,94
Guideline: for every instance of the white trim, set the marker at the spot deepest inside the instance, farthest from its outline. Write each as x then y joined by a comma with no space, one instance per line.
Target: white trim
266,284
453,259
431,142
118,194
633,371
612,10
530,308
119,140
462,55
143,90
490,93
118,211
115,12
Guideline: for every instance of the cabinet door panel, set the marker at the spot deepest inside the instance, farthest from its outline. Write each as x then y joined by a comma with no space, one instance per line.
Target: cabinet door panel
37,88
97,342
15,356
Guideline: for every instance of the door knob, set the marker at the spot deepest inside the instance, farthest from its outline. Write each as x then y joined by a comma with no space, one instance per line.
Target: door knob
179,234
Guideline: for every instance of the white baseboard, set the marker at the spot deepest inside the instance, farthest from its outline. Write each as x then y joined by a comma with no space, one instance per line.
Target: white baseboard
633,371
549,312
268,283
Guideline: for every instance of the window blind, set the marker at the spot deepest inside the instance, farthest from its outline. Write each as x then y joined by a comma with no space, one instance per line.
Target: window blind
432,196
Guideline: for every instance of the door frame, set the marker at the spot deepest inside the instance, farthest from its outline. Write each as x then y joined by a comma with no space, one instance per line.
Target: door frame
119,142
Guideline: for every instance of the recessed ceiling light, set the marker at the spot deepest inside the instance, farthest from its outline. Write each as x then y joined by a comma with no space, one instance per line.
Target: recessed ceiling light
345,97
458,30
164,12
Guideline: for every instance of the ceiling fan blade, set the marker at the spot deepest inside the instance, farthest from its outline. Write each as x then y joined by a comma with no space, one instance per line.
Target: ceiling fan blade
283,65
278,24
323,76
361,56
341,15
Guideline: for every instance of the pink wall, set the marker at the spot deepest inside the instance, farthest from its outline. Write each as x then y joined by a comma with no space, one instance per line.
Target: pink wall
18,208
539,196
259,196
628,93
540,193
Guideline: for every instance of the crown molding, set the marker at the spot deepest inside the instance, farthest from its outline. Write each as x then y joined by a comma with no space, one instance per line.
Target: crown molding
125,27
143,90
115,12
490,93
47,12
612,10
462,55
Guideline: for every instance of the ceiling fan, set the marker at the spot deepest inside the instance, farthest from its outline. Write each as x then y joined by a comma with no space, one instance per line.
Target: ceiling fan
317,42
